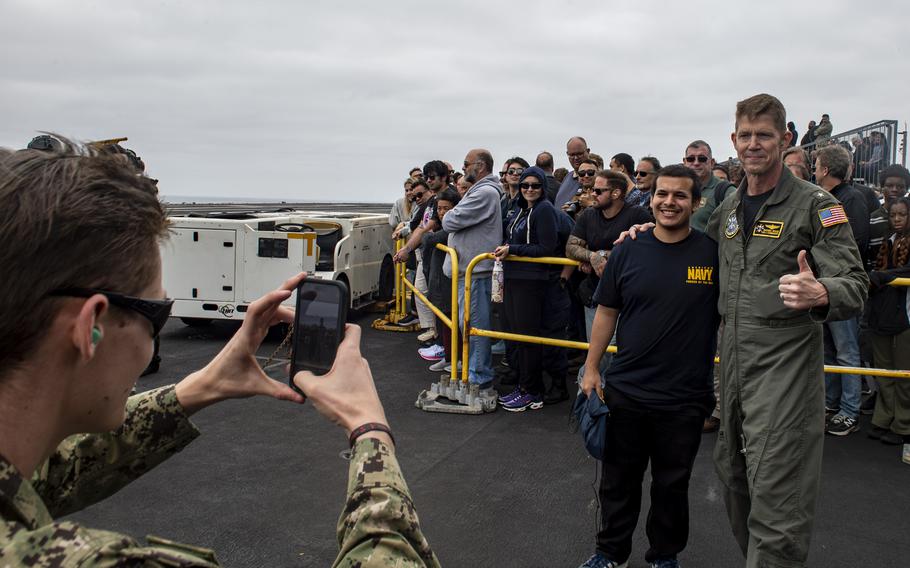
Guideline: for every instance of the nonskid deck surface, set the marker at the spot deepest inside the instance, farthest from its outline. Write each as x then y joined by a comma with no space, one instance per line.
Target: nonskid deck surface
264,484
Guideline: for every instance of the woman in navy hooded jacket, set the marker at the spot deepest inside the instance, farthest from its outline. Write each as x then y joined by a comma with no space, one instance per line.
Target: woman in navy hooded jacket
530,231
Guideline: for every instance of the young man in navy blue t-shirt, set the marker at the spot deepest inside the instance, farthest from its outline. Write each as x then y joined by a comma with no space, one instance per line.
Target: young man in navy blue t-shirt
662,290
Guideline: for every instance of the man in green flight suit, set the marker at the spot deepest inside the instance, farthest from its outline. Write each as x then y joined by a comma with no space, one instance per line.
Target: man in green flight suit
699,159
81,232
774,235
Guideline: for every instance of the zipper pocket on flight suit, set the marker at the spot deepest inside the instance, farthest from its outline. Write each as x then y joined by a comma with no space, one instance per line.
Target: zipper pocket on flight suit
775,248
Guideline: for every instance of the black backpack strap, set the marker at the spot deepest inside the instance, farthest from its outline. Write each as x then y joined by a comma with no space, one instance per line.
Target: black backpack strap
720,191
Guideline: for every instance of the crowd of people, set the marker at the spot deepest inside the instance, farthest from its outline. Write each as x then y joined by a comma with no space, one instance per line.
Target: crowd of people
803,214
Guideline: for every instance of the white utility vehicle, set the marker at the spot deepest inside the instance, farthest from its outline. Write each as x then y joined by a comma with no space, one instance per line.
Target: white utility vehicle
215,265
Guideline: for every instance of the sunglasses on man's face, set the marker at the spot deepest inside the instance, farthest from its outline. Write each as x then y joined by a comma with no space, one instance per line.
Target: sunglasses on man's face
419,194
529,185
642,173
701,159
586,173
431,178
155,311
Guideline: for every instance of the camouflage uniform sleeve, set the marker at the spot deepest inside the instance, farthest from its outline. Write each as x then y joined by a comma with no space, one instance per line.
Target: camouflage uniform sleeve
379,525
87,468
837,264
71,544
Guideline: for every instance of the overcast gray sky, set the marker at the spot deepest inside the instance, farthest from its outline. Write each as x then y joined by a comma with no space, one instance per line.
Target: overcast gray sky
337,100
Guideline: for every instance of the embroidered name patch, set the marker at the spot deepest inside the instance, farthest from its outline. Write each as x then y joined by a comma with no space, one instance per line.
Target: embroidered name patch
833,215
770,229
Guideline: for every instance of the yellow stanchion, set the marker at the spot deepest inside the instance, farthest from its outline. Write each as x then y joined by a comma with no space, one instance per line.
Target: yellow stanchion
399,310
449,395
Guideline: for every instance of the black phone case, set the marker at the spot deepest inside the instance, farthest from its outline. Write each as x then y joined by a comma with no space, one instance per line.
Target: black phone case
342,319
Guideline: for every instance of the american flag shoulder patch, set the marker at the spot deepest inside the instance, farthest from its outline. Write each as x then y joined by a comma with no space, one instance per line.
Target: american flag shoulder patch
833,215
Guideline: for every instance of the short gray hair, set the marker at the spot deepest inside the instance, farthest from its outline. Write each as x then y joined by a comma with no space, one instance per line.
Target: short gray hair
836,158
701,144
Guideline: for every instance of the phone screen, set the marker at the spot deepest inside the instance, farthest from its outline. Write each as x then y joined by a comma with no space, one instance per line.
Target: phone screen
318,325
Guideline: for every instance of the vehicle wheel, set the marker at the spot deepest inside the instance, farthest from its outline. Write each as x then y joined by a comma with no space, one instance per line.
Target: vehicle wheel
387,279
196,322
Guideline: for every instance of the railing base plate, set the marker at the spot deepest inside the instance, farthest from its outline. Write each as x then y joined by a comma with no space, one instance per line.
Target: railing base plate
453,398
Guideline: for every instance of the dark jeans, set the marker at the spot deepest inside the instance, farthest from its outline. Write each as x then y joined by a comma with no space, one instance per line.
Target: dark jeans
635,436
524,300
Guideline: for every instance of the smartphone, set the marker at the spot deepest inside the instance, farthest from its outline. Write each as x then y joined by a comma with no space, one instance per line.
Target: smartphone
322,310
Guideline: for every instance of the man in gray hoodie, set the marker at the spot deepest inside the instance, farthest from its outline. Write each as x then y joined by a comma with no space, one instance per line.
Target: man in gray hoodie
475,227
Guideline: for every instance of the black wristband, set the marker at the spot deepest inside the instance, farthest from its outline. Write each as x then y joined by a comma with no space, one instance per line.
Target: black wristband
369,427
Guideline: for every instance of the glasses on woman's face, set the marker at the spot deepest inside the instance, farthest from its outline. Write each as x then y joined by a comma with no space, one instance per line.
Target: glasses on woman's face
515,171
529,185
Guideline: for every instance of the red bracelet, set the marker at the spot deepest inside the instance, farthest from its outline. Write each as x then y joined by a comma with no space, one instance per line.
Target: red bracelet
369,427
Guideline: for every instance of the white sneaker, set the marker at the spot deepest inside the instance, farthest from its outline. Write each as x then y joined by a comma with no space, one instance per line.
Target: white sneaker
448,368
432,353
440,366
429,334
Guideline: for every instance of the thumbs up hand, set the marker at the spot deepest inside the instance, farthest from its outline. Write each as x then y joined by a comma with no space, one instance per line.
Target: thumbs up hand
801,291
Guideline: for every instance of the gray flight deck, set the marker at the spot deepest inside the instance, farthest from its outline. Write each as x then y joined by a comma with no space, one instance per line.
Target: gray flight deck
264,484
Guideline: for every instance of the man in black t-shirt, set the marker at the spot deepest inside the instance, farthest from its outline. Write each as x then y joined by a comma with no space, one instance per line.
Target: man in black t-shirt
596,229
663,291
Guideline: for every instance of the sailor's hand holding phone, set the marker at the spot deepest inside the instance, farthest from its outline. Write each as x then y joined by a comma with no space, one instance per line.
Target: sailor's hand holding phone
235,372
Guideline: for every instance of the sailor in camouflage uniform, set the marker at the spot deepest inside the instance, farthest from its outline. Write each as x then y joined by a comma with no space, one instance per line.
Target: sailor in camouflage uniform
71,348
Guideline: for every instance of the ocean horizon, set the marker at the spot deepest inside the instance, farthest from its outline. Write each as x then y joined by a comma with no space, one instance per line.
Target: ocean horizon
189,199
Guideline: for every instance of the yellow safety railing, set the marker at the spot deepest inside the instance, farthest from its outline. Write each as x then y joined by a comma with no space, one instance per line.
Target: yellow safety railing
467,330
401,299
449,321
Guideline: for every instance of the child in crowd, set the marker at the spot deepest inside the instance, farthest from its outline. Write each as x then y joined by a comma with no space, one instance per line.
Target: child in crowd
889,322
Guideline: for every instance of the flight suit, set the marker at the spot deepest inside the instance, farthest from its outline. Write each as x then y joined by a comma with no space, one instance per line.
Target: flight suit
378,526
769,448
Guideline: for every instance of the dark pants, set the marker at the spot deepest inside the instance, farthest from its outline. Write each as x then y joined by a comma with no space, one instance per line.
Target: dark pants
670,442
524,300
445,338
556,310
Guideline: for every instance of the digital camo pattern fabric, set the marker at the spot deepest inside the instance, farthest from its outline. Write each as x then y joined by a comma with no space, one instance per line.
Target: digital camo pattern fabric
379,525
85,469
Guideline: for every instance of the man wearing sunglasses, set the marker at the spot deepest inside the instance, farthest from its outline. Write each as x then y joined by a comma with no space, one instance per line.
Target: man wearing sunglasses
81,234
436,174
698,159
577,151
596,229
645,176
475,227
